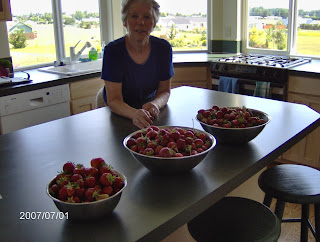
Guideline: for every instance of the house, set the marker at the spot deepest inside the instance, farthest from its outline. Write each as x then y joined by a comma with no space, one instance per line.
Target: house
26,28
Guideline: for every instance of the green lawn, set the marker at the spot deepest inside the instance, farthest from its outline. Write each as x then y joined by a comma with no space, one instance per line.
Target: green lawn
42,48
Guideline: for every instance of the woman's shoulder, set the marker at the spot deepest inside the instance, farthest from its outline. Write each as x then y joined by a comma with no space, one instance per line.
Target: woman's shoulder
116,43
160,42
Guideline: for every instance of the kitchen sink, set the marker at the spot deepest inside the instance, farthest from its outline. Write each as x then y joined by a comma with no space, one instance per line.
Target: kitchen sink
75,69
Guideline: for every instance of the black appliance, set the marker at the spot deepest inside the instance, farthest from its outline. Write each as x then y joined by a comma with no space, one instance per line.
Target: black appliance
249,68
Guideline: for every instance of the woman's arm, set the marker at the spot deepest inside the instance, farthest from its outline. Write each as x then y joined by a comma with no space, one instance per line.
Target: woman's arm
160,100
140,117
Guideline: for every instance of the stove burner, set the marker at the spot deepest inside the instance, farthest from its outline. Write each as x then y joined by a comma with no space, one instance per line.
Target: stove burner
265,60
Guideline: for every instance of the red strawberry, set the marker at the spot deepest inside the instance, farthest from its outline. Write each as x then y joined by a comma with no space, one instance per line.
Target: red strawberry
165,152
79,192
148,152
70,189
69,167
63,194
106,179
102,196
92,171
97,162
53,190
131,142
108,190
105,169
91,194
90,181
80,169
118,182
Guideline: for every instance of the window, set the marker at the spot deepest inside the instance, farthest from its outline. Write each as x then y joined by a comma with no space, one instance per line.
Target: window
290,27
35,40
184,24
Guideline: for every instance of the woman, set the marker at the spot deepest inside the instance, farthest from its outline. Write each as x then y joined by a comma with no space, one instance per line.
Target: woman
137,68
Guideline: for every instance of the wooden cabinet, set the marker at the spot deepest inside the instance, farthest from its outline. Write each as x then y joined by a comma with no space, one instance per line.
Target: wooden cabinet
192,75
5,10
306,91
83,94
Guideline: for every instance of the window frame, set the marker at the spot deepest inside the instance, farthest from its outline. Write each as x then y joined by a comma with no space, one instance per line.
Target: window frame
292,33
110,29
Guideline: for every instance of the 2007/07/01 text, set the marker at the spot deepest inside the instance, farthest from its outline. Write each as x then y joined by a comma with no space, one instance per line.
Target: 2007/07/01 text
43,215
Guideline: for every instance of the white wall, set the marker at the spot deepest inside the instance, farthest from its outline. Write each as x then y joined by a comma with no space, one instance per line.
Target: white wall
4,44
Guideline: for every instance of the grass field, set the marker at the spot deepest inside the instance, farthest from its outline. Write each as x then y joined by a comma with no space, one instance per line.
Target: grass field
42,48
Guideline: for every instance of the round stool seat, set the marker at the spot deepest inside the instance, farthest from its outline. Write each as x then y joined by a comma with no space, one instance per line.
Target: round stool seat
292,183
236,219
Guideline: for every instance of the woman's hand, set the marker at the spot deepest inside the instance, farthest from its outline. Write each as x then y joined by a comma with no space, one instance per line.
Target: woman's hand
152,109
142,118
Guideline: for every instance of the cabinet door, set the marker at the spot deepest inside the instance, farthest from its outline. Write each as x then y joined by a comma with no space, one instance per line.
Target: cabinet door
307,150
5,10
196,76
83,94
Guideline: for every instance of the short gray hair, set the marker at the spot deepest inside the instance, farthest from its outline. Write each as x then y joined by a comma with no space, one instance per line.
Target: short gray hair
125,4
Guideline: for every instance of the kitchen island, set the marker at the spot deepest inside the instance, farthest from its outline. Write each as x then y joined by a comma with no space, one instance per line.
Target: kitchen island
151,207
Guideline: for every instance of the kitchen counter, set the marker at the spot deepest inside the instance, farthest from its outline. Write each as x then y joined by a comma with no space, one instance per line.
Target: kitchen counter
151,207
44,80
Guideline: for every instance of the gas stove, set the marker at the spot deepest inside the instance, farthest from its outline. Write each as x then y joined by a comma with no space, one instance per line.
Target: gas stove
257,67
266,60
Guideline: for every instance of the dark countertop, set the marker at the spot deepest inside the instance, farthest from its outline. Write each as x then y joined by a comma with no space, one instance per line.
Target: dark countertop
44,80
151,207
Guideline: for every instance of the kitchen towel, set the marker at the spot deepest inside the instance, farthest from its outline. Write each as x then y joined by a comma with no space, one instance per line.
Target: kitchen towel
228,84
262,89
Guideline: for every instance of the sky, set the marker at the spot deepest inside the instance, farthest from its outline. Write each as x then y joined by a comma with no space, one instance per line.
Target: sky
171,6
42,6
304,4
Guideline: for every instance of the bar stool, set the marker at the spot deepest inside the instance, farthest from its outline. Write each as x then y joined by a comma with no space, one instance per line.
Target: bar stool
294,184
236,219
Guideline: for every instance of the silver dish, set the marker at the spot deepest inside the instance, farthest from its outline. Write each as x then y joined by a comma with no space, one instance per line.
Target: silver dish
171,165
237,135
88,210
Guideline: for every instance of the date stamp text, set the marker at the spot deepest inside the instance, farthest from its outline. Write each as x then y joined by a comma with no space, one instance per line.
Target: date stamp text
43,215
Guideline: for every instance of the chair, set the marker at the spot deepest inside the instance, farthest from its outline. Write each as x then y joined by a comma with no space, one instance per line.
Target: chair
236,219
99,99
294,184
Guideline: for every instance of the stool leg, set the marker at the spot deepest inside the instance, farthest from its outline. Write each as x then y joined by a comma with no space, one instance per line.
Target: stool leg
317,221
279,209
304,222
267,200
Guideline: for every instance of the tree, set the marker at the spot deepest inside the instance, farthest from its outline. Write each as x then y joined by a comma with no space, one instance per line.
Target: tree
173,32
18,39
69,21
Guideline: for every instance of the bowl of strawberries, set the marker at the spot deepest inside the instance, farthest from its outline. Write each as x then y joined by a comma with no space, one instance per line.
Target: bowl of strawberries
233,125
87,192
169,150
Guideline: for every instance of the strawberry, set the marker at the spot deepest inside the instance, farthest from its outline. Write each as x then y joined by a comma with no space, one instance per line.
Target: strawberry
79,192
118,182
148,152
108,190
165,152
105,169
70,189
91,194
53,190
97,162
102,196
106,179
63,194
90,181
69,167
92,171
79,169
131,142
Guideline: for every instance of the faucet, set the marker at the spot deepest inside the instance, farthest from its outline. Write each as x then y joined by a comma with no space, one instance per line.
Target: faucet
74,57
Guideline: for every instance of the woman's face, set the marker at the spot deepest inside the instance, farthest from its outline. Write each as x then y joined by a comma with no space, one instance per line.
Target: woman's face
140,22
